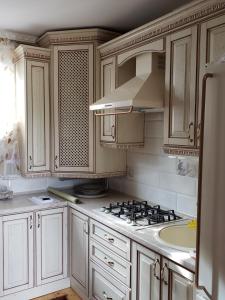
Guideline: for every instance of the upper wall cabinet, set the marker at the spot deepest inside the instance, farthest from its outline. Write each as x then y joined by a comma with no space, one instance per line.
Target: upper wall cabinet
180,100
75,84
212,48
123,130
119,131
32,94
73,93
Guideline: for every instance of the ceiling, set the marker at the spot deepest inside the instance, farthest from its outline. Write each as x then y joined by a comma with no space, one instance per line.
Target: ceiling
36,17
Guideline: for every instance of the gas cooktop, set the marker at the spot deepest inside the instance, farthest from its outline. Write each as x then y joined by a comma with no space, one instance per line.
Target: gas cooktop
140,213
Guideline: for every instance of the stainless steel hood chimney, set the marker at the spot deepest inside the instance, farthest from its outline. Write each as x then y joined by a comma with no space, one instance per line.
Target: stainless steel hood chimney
144,91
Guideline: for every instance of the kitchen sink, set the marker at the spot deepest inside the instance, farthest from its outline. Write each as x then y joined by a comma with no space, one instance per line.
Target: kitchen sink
181,237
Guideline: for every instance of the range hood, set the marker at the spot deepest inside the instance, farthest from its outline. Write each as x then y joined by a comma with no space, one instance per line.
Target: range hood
144,91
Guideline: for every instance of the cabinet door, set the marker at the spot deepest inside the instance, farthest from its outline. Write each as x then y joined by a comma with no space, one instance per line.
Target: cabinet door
181,56
145,274
177,282
38,116
17,253
212,48
79,251
73,122
108,79
51,235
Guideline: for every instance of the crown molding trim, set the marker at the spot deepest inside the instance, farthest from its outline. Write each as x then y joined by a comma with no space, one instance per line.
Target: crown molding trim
76,36
180,151
18,37
189,14
26,51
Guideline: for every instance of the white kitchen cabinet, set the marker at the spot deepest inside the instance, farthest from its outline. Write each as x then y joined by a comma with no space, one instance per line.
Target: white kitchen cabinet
119,131
177,282
79,252
16,251
73,93
103,286
180,100
32,95
108,84
145,273
51,244
212,48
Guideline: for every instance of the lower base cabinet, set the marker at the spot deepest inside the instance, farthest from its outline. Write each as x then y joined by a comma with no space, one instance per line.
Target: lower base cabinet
32,253
177,282
156,278
51,243
104,286
79,252
145,273
16,253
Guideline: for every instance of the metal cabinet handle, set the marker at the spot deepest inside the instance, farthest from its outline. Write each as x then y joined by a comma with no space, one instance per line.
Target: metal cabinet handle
106,296
31,162
164,268
110,263
113,131
191,132
156,262
39,221
86,228
31,221
111,240
56,158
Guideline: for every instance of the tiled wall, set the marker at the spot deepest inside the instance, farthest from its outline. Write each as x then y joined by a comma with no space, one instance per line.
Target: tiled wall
152,175
23,185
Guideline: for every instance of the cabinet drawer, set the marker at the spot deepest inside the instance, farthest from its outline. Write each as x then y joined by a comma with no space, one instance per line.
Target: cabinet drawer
103,286
112,262
110,238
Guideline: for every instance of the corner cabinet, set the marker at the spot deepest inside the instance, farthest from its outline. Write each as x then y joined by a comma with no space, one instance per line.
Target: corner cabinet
73,93
32,95
79,241
180,100
76,150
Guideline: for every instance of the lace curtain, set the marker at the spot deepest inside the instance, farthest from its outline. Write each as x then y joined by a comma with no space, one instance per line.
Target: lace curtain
9,150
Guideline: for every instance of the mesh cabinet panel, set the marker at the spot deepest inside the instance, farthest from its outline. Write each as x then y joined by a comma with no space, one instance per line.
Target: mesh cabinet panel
73,108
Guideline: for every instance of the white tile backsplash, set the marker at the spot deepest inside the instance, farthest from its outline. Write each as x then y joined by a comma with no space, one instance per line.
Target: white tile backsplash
24,185
154,176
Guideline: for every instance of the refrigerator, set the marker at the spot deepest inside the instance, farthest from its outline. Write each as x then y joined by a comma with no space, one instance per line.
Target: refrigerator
210,256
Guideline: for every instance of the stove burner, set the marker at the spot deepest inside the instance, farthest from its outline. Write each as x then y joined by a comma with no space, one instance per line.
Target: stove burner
140,213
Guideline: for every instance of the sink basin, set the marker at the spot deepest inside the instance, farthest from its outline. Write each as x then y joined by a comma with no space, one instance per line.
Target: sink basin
180,237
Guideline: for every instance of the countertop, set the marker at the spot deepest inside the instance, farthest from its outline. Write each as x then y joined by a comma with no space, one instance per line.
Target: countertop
91,208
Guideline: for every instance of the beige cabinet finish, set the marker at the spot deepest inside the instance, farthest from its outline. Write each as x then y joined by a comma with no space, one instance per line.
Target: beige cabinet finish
103,286
177,282
76,150
16,253
32,95
79,252
108,84
180,101
119,131
51,240
38,116
145,273
212,48
73,93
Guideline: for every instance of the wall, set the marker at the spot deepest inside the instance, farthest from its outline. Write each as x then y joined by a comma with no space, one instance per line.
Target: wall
23,185
152,175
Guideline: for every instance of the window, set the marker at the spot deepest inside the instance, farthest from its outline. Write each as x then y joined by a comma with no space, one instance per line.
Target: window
9,152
